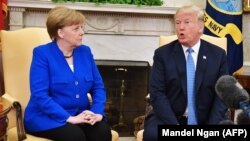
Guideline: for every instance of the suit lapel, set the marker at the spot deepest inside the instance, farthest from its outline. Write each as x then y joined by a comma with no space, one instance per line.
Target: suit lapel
78,61
60,58
201,65
81,63
179,57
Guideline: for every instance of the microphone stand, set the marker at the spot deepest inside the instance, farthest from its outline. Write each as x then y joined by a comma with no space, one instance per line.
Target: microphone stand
245,106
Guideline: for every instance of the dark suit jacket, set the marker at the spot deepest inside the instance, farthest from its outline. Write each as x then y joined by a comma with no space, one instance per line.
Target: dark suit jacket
168,85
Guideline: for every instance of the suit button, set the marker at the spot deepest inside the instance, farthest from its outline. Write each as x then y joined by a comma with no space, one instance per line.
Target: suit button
77,96
76,83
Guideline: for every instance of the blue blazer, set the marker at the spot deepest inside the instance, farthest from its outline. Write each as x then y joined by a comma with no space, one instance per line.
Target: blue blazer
57,92
168,84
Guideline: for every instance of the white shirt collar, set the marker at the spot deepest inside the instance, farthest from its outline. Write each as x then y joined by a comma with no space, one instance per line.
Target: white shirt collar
196,47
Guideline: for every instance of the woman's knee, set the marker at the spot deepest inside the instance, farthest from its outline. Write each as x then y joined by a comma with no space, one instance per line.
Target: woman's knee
104,128
150,135
75,133
100,130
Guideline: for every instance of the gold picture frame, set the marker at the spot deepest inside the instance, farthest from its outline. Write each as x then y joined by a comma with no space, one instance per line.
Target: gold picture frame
246,5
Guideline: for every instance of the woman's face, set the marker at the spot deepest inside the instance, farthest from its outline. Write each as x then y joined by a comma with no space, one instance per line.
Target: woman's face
72,34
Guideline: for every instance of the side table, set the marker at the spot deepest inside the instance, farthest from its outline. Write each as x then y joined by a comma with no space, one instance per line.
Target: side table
244,80
5,107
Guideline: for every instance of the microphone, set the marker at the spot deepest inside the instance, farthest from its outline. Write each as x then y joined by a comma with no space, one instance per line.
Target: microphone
226,122
232,93
243,119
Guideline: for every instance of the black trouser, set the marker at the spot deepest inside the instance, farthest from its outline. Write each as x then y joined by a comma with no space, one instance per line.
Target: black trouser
182,120
70,132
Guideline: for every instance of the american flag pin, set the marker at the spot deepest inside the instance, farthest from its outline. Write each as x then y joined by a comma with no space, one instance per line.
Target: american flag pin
204,57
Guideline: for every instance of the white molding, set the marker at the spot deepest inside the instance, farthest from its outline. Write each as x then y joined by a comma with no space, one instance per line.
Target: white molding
247,63
85,6
129,32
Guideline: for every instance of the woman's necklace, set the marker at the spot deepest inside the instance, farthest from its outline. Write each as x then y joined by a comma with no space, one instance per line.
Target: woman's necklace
69,55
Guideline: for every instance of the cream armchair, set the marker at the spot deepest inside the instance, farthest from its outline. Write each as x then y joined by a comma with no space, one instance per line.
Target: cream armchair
17,47
221,42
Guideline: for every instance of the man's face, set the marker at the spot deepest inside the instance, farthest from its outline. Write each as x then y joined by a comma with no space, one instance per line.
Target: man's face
188,28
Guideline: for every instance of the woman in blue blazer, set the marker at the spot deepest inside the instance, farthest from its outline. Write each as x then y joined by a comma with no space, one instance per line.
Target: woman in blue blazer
62,73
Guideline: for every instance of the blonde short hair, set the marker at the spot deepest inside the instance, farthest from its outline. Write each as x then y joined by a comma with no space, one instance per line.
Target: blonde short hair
60,17
192,9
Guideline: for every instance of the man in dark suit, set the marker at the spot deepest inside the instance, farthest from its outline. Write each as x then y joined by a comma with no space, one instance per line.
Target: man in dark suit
169,77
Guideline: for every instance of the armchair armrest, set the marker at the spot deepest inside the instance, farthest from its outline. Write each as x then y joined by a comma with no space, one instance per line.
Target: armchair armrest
19,117
149,107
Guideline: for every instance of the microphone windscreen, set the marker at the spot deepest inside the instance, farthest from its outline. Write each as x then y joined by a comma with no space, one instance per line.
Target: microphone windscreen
243,119
226,122
230,91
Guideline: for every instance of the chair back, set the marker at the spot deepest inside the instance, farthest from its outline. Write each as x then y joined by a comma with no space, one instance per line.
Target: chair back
17,47
221,42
